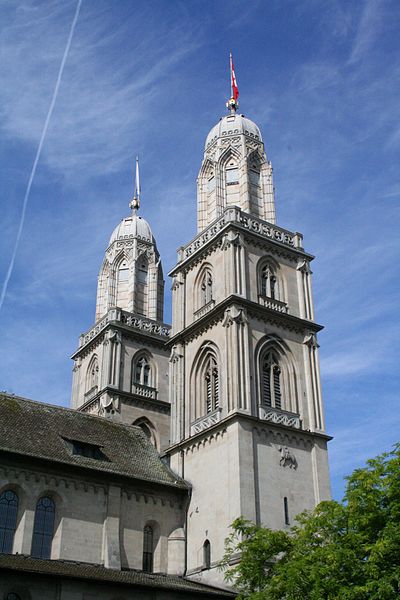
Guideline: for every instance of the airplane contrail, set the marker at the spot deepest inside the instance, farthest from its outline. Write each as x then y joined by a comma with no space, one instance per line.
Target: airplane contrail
38,152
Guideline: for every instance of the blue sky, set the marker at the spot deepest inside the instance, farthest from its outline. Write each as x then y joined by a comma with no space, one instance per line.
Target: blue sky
321,79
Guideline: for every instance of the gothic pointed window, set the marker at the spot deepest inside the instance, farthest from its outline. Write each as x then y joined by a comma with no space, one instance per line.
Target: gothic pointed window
8,520
211,382
43,528
122,285
232,175
148,549
141,285
92,378
271,381
142,371
268,282
206,288
123,272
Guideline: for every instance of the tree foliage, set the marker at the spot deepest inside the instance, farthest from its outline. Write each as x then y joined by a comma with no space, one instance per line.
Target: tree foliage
339,551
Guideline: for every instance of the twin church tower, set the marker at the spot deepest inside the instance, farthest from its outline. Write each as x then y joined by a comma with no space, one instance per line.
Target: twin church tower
230,394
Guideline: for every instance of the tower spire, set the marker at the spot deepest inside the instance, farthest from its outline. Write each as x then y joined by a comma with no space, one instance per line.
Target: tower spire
233,103
134,204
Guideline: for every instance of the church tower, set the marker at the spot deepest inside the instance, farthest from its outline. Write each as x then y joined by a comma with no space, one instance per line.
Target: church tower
121,365
247,424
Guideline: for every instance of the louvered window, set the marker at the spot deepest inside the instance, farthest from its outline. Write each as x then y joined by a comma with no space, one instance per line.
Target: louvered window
266,383
271,382
277,386
148,542
211,385
8,520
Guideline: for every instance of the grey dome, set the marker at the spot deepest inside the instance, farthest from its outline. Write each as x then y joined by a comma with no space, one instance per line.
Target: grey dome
231,125
132,226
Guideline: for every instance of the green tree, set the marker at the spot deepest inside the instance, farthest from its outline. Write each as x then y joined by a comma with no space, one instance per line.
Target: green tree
339,551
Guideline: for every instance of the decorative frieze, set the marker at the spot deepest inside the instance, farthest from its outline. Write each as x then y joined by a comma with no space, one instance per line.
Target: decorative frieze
206,422
127,318
280,417
244,220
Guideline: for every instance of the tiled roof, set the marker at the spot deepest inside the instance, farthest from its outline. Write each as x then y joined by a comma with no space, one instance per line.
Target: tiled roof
40,431
97,573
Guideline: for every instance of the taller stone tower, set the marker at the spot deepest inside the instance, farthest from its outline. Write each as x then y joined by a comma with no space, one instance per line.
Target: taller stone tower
121,365
247,424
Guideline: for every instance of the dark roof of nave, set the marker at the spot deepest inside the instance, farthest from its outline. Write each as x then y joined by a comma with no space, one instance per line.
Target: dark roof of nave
44,431
96,573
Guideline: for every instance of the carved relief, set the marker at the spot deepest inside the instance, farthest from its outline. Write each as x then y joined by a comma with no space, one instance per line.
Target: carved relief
287,459
234,314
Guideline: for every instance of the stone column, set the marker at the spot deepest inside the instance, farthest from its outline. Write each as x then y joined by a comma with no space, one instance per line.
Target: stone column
111,539
76,375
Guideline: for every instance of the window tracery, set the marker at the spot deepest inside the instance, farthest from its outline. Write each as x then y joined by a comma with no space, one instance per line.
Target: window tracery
142,371
43,528
8,520
268,287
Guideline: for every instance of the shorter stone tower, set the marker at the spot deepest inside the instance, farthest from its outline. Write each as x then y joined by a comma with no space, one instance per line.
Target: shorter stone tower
121,366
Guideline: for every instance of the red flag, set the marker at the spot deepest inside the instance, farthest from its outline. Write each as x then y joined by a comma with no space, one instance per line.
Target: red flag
235,89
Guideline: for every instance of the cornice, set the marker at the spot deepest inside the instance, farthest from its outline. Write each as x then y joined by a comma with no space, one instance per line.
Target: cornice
128,332
214,316
252,227
259,426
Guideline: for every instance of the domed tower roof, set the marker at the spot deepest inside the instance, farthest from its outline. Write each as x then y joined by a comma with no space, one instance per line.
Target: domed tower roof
235,170
131,276
132,227
231,124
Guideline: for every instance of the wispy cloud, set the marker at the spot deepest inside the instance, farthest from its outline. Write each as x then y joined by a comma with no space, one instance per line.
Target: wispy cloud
367,29
105,97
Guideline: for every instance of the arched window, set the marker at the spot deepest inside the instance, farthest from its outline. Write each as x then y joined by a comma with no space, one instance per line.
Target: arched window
206,555
148,429
211,383
271,381
206,288
8,520
43,528
123,272
142,371
92,377
122,291
141,285
148,549
12,596
268,282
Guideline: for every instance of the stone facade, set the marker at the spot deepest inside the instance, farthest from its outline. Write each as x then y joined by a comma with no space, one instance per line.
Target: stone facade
179,430
247,424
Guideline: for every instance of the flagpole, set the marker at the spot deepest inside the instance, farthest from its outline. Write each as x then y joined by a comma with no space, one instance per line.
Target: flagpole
134,204
232,103
230,72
